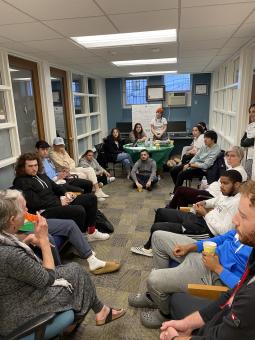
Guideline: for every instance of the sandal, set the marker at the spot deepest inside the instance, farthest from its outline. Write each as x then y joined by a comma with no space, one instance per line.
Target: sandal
111,317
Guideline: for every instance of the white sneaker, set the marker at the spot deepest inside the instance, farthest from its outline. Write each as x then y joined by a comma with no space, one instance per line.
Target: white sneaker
100,199
110,179
142,251
97,236
101,194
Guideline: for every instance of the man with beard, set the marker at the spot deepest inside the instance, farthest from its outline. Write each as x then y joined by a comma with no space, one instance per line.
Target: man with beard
231,316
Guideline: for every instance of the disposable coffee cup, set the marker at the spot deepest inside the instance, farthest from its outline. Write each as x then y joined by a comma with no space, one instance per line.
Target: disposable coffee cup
209,247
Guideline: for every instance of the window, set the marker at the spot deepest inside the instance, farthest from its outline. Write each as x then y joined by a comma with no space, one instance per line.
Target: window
177,82
135,91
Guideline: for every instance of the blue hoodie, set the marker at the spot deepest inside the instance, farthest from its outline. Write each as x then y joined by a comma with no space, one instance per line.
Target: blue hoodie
233,256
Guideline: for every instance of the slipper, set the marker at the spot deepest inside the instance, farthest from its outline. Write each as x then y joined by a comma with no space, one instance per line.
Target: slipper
109,267
141,301
152,319
111,317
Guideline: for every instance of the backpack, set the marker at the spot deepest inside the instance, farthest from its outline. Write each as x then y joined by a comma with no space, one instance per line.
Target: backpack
103,224
214,172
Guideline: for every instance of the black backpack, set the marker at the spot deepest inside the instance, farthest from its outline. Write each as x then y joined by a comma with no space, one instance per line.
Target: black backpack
103,224
214,172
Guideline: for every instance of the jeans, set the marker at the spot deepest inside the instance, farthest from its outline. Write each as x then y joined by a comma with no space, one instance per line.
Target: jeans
70,230
143,179
184,196
126,160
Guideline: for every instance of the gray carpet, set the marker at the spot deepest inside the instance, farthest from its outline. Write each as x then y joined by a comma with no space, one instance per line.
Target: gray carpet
132,214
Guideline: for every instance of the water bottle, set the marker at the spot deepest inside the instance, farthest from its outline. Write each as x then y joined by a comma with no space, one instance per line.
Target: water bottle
151,142
204,183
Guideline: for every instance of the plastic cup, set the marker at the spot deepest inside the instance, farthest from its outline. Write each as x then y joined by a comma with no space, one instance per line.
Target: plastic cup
139,189
209,247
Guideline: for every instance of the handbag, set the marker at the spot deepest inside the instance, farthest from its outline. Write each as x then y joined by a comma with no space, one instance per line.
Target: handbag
103,224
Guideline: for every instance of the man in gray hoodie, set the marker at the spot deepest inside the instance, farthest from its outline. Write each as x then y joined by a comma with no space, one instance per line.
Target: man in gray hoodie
144,171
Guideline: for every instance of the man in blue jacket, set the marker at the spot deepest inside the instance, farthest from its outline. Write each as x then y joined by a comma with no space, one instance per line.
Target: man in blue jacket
224,268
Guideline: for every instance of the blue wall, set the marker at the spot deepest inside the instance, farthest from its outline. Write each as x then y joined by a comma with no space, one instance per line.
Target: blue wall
199,110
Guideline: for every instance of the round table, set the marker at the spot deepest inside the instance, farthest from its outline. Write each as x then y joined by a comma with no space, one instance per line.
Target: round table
160,155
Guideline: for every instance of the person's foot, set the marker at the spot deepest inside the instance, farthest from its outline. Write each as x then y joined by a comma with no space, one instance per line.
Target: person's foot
100,194
142,251
108,314
97,236
152,319
110,179
141,301
109,267
100,199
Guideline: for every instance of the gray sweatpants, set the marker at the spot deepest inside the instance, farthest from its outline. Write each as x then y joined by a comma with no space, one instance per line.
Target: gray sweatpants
164,280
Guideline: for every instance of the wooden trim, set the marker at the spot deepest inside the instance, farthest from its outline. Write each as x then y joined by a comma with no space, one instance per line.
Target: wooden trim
207,291
55,72
32,66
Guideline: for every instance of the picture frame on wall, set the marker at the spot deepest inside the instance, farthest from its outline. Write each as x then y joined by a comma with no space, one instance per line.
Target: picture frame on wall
155,93
201,89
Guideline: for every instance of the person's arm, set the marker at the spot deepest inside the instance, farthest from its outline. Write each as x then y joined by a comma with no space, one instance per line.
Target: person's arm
153,170
210,159
83,163
144,137
247,142
211,203
220,223
220,239
154,132
131,137
71,162
59,190
134,171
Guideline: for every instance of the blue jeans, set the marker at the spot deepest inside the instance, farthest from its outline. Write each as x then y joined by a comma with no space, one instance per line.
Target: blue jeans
70,230
126,160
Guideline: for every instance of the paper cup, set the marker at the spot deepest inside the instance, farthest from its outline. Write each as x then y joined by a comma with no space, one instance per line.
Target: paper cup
209,247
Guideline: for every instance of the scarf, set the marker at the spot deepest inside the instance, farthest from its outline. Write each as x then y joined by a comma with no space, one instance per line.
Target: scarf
8,239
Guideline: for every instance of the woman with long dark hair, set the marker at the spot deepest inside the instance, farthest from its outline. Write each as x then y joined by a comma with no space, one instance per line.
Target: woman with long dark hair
137,134
114,151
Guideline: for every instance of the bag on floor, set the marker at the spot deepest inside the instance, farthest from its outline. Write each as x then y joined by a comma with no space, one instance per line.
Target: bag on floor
103,224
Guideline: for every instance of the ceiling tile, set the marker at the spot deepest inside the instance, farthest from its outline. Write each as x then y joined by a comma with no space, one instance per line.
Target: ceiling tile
146,21
202,44
26,32
10,15
215,15
193,3
57,9
132,6
207,33
198,53
246,30
55,45
82,26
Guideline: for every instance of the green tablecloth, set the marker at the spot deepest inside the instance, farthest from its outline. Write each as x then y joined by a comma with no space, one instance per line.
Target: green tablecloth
159,155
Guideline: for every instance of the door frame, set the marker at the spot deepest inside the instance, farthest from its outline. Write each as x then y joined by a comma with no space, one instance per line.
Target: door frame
55,72
32,66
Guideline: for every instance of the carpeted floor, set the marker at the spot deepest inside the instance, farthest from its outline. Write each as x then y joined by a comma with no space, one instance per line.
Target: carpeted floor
132,214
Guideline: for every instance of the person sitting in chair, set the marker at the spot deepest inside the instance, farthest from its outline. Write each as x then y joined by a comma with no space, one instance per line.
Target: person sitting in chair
199,163
137,134
144,171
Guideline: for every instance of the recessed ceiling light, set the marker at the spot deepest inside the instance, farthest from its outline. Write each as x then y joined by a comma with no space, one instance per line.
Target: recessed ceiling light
122,39
145,62
150,73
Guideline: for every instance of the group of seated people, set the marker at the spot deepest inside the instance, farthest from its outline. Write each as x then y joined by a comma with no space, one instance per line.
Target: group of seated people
63,197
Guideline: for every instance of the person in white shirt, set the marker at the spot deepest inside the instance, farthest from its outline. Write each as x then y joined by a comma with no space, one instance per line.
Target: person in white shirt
210,218
184,196
198,141
159,125
248,141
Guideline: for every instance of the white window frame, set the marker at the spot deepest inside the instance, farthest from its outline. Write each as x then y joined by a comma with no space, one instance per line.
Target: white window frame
124,104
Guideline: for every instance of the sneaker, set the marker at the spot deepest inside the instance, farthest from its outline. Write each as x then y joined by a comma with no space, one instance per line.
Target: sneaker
100,184
97,236
142,251
100,199
110,179
100,193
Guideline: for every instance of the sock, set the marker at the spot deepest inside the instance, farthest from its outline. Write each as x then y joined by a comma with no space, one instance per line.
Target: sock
91,229
95,263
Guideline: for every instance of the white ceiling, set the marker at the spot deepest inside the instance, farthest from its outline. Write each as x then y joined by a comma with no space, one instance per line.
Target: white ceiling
209,31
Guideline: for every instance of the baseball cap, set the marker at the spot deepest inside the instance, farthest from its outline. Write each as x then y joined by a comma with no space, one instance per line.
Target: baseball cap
42,144
58,141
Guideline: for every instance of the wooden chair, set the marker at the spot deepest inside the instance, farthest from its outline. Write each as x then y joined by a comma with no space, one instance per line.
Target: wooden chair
207,291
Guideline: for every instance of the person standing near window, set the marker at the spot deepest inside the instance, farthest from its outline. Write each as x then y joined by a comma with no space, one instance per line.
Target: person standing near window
159,125
248,141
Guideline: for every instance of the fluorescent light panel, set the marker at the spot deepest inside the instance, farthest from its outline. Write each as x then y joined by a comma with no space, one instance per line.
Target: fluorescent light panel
122,39
151,73
145,62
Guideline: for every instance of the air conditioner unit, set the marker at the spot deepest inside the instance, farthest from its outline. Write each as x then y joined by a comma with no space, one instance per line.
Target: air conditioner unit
176,99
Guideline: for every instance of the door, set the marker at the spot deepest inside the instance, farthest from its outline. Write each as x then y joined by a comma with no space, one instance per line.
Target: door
61,103
27,100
